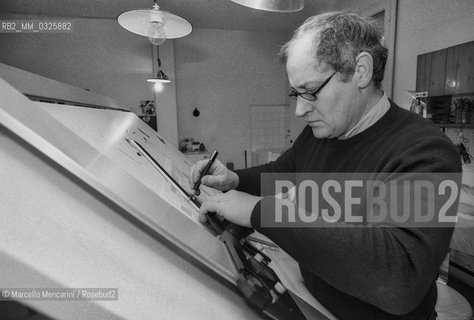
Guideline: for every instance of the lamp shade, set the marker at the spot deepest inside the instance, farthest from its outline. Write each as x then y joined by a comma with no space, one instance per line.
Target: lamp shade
273,5
160,77
138,22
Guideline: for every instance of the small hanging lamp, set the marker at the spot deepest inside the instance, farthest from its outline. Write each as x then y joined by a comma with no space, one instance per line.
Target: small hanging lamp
160,75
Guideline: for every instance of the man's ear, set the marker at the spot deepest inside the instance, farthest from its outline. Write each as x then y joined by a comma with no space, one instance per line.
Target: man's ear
364,70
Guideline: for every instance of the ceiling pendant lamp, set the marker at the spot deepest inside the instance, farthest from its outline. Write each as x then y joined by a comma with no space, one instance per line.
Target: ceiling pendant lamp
161,77
273,5
155,24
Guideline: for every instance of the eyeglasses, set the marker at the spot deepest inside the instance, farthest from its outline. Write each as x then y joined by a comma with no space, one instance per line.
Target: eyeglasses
311,95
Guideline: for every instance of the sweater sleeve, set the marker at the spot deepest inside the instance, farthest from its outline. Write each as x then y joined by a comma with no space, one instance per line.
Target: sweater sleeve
391,268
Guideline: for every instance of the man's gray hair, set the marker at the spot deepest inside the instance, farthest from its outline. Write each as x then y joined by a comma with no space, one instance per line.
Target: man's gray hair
338,37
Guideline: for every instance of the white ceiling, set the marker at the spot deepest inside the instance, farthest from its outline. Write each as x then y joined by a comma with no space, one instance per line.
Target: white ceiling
212,14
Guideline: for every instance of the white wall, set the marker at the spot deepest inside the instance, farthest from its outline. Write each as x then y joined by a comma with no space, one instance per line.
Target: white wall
222,72
98,55
165,101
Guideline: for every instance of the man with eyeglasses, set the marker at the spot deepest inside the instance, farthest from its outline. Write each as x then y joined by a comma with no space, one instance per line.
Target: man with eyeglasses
335,64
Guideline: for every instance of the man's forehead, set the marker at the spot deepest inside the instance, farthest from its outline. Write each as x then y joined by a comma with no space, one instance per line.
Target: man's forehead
302,52
303,42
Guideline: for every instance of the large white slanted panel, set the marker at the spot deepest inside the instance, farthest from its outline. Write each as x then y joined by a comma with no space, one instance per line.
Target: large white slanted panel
76,214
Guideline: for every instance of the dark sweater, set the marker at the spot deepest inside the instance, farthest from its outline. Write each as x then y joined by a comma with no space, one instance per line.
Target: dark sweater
376,272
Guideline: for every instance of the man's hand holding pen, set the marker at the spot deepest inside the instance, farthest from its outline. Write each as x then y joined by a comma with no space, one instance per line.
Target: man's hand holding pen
219,177
234,206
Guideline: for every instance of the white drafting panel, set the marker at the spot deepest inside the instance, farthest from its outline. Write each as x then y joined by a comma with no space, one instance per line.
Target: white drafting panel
110,133
59,233
80,208
91,157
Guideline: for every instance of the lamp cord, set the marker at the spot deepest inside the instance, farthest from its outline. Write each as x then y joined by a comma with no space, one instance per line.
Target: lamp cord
158,56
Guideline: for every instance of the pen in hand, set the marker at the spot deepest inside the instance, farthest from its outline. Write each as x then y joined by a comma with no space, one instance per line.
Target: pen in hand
203,173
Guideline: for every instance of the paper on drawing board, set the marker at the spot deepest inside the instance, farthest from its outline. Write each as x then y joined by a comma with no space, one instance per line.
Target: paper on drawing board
166,187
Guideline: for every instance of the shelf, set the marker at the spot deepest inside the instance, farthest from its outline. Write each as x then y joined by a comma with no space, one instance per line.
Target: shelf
455,95
455,125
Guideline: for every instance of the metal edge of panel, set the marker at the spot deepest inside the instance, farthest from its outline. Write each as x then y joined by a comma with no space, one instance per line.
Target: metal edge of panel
39,87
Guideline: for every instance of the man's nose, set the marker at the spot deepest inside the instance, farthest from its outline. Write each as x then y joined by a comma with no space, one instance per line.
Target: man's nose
302,107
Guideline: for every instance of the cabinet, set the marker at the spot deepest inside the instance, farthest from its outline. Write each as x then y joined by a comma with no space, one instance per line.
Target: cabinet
448,71
438,72
423,70
431,72
448,76
460,69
